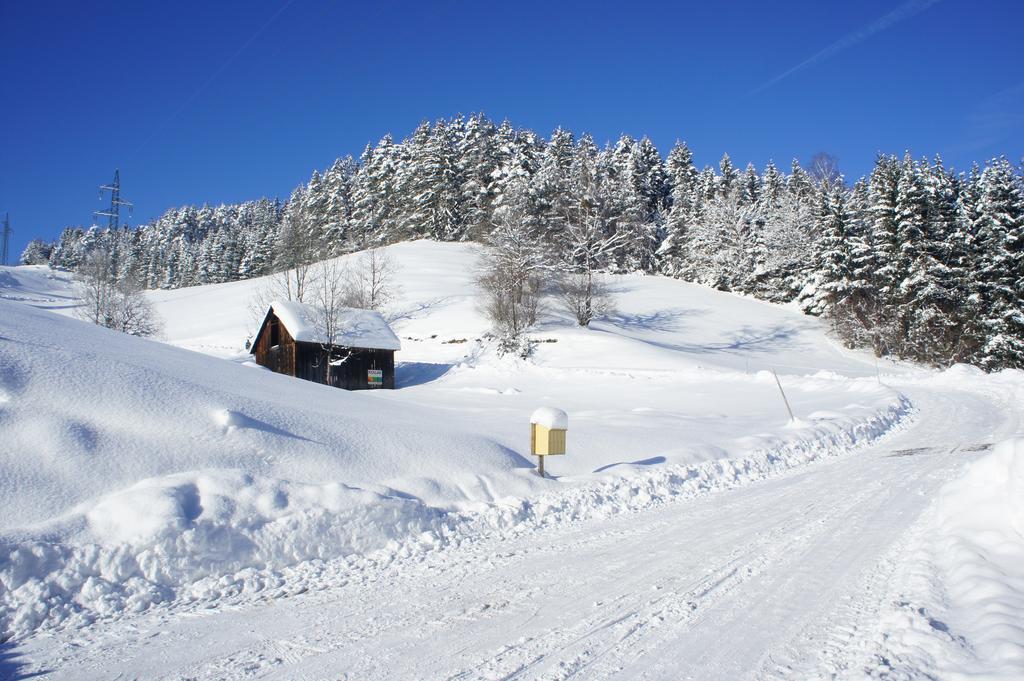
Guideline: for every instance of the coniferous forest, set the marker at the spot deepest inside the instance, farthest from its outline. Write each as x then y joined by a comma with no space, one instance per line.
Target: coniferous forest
916,261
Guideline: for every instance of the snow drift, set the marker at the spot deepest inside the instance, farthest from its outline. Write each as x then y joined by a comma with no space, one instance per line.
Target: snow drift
130,468
960,612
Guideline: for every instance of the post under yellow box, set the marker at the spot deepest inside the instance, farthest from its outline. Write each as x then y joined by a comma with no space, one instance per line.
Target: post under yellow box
546,441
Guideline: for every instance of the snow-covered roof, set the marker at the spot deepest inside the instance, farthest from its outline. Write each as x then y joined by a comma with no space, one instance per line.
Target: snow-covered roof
358,328
549,417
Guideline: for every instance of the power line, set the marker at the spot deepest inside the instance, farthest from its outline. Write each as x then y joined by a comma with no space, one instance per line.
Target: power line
113,214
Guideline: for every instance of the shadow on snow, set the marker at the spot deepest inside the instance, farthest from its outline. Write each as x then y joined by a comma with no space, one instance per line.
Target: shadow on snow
654,460
746,340
11,665
408,374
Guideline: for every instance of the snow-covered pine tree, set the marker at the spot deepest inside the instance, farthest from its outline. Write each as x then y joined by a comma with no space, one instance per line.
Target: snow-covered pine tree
721,242
646,171
293,248
673,254
439,196
857,315
782,248
504,149
338,184
884,240
907,268
479,160
729,178
37,252
833,261
1001,277
970,253
552,185
417,176
800,183
259,221
625,211
773,184
768,196
935,332
375,196
313,218
750,186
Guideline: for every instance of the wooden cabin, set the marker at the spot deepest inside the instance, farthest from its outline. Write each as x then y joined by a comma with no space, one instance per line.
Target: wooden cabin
362,356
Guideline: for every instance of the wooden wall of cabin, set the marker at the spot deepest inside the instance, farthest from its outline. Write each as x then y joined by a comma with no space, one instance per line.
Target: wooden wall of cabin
275,348
352,373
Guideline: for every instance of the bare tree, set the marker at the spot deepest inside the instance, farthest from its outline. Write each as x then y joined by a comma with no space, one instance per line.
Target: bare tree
131,312
371,281
332,296
97,286
513,269
283,285
115,304
824,168
589,241
293,279
585,295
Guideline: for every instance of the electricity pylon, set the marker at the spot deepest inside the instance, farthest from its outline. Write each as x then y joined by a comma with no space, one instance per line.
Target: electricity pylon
113,213
7,238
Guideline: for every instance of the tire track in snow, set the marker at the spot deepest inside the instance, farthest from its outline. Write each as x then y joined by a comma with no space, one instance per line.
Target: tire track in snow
832,640
673,615
522,604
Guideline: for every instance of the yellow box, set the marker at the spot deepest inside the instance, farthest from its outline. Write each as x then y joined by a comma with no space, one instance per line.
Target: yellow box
546,441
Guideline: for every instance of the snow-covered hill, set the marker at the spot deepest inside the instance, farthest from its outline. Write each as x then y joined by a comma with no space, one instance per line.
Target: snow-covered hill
141,467
135,472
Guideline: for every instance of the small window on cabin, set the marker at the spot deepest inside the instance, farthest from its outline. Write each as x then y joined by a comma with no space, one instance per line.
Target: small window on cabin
275,334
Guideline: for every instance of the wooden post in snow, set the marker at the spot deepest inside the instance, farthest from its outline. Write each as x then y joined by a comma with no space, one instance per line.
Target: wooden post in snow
779,383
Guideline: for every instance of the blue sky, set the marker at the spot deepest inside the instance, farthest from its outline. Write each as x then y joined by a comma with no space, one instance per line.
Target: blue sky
219,102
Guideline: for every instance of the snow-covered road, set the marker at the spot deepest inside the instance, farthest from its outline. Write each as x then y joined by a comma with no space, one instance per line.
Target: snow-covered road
780,578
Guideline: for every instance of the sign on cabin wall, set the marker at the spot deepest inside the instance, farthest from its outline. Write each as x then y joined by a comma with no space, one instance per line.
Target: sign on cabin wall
375,378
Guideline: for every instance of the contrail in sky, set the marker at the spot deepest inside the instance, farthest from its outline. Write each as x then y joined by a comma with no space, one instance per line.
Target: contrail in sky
213,77
901,13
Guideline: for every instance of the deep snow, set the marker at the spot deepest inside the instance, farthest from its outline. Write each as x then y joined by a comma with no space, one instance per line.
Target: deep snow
771,579
136,473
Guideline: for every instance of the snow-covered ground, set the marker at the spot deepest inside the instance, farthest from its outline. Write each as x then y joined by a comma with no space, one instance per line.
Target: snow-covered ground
691,525
959,608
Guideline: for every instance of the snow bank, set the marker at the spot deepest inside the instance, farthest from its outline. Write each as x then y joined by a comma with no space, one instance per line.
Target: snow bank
960,611
129,469
549,417
140,546
225,534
